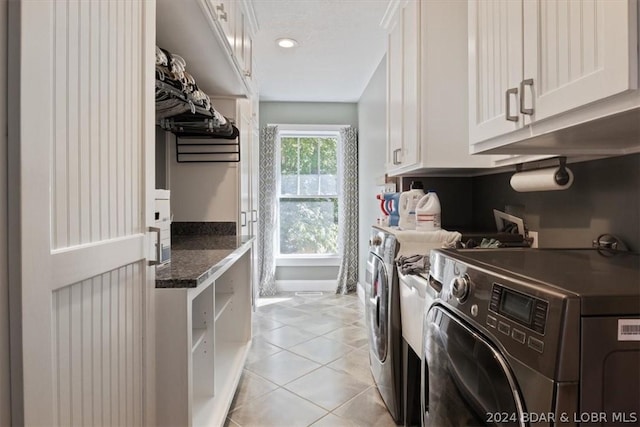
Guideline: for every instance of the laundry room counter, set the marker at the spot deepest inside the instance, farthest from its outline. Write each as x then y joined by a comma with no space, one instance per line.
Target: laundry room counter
195,259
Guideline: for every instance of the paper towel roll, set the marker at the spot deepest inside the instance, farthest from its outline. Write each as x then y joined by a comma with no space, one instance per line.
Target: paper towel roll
549,179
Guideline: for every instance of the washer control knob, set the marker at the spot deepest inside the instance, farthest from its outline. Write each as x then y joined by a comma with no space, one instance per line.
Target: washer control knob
460,288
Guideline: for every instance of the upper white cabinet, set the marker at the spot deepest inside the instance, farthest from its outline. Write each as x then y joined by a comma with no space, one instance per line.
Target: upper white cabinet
214,37
396,156
427,88
224,12
495,67
577,52
541,71
243,49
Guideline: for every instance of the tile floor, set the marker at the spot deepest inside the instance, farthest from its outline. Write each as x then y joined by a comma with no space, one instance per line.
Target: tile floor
308,366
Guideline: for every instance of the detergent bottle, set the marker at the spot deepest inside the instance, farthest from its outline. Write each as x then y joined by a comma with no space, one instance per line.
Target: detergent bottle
428,213
389,207
393,201
408,202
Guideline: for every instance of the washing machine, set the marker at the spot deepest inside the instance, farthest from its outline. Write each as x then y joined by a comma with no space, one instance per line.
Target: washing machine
382,312
520,337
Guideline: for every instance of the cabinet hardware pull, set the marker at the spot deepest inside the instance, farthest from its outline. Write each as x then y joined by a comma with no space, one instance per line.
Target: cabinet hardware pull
512,91
254,219
158,246
243,216
222,15
395,156
528,111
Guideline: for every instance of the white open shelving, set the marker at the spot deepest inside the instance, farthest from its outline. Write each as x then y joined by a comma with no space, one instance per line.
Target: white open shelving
203,336
223,299
198,337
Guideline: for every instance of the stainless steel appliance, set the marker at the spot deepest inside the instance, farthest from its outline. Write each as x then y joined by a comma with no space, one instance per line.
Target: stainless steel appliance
526,336
382,308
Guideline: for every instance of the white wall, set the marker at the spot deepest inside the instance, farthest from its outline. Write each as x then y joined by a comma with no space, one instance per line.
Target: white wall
311,113
202,191
371,158
5,398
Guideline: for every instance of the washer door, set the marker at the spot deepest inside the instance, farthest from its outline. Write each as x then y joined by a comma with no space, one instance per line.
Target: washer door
465,379
377,304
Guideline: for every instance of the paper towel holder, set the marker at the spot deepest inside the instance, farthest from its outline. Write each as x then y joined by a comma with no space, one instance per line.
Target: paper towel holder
543,178
561,176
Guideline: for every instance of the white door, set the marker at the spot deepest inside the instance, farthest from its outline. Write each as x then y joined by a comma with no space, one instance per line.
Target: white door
495,67
81,180
578,52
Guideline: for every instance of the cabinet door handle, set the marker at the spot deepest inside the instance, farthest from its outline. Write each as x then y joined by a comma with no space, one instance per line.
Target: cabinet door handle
512,91
222,15
254,218
528,111
158,246
243,219
395,156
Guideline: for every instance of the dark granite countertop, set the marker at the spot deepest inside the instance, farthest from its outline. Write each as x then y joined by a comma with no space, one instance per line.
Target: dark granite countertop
195,259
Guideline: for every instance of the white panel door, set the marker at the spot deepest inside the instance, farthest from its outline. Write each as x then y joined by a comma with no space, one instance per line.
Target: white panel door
578,52
82,176
495,67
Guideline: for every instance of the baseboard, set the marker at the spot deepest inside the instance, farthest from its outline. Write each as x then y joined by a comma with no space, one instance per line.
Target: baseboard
306,285
360,291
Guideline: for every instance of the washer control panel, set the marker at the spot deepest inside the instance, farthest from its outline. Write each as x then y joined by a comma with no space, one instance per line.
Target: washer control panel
528,311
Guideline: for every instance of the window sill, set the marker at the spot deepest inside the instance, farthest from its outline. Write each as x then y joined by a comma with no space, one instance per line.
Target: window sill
308,261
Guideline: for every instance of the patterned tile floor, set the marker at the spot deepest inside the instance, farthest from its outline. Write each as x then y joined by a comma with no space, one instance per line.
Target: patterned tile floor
308,366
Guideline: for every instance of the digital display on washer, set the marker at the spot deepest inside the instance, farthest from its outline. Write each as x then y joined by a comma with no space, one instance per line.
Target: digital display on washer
524,309
517,306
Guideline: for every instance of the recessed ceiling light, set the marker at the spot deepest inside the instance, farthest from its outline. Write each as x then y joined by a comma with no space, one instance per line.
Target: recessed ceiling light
287,43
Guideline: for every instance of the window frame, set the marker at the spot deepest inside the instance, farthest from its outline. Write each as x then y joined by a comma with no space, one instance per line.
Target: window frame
301,131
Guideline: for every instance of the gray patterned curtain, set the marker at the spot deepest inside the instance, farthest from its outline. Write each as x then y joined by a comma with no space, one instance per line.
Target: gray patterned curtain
348,210
267,219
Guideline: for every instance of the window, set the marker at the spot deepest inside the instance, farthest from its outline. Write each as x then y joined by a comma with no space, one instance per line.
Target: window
308,193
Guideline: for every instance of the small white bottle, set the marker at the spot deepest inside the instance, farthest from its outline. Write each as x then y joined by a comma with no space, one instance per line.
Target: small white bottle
428,213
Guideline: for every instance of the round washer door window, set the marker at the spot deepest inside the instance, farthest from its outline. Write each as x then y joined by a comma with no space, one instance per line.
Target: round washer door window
377,308
468,381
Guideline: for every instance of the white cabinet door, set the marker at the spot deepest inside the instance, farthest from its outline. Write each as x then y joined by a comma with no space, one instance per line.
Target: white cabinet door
240,34
394,97
411,84
578,52
254,177
224,12
244,126
243,50
495,67
81,179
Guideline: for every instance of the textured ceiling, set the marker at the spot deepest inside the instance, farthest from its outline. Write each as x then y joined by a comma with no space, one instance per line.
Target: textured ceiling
341,43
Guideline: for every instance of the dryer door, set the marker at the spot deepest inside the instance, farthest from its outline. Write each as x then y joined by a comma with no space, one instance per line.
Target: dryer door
466,381
377,304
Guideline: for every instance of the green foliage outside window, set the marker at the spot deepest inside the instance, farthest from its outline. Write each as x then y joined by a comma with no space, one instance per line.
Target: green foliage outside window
308,225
